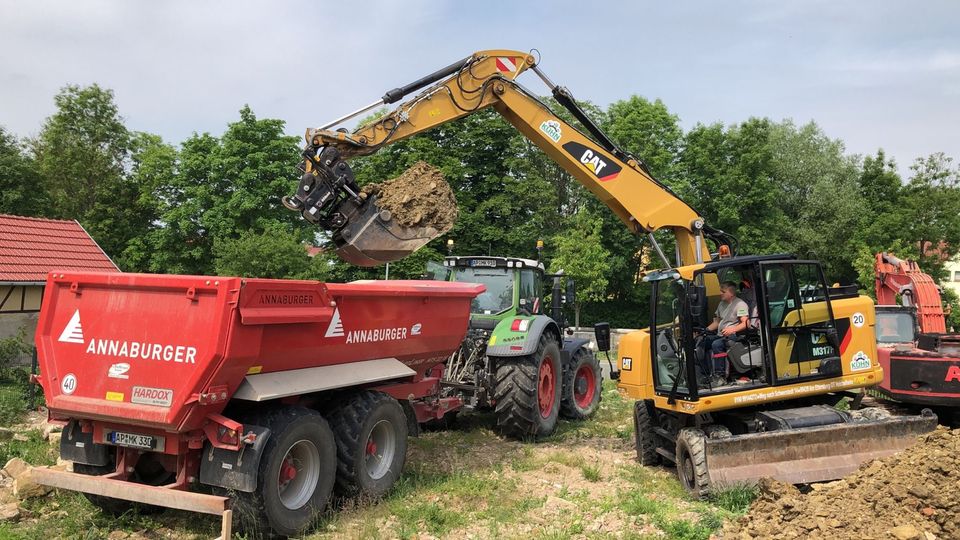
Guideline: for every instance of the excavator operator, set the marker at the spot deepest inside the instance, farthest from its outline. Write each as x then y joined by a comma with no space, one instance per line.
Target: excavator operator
732,316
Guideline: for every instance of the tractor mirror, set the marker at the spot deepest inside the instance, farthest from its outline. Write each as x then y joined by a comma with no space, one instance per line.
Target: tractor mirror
602,333
571,296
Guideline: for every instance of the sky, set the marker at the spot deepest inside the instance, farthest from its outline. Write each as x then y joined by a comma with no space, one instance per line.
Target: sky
875,74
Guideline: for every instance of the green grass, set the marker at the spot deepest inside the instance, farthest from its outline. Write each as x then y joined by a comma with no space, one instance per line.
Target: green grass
590,472
35,450
735,500
13,397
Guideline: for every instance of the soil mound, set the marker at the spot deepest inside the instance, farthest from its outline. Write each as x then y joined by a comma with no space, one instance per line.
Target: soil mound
911,495
420,197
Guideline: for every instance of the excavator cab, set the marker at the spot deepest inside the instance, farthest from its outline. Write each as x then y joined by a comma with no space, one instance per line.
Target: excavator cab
791,334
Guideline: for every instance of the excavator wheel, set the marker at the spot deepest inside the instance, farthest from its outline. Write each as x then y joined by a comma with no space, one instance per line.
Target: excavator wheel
645,438
528,391
692,461
582,385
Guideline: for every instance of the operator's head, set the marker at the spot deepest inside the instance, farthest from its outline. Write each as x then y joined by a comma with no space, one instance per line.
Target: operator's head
728,290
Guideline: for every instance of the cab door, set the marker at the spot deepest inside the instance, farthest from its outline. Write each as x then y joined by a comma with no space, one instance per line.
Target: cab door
801,330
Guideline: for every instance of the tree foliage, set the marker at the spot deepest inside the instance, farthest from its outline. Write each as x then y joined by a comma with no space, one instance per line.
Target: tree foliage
211,204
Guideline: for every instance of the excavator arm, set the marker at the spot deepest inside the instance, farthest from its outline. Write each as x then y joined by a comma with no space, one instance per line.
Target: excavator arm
364,235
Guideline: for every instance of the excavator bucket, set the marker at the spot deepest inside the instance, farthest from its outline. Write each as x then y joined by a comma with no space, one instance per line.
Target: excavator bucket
372,237
800,456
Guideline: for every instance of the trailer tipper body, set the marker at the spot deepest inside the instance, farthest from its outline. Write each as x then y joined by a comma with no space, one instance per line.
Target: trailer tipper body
274,389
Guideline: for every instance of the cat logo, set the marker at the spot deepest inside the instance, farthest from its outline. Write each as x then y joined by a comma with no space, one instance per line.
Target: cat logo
600,165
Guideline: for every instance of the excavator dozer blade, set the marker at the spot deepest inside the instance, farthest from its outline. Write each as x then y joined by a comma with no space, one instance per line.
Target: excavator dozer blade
818,454
372,237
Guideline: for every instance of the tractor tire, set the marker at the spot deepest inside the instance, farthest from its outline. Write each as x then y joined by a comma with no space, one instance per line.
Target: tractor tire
371,434
295,477
692,462
644,436
528,391
582,386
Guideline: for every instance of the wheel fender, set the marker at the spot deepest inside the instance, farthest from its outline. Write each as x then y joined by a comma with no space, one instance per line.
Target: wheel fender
571,346
233,469
528,344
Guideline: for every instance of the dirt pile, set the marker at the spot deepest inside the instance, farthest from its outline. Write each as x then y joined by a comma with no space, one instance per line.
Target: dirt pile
420,197
914,495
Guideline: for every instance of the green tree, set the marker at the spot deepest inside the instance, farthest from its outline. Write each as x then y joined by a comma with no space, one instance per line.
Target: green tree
932,204
20,190
582,257
273,253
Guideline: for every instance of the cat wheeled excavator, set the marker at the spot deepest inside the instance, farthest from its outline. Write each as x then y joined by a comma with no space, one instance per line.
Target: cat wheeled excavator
770,410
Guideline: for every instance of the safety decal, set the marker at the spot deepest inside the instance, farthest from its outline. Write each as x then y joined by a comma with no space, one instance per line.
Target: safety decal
860,362
114,396
604,168
506,64
69,384
626,364
552,129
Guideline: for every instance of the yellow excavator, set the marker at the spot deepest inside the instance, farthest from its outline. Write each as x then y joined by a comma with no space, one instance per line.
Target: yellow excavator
765,407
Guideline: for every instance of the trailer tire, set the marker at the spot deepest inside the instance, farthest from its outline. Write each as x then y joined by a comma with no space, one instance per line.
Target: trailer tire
528,391
371,434
582,386
645,438
692,461
107,505
302,445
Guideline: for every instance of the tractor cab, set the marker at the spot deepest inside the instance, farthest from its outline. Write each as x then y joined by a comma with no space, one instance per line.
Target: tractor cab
790,335
514,287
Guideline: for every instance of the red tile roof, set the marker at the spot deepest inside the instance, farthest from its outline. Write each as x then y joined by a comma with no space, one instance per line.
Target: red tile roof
31,247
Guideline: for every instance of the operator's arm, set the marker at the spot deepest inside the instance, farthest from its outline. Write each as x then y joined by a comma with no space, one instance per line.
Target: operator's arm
486,79
739,327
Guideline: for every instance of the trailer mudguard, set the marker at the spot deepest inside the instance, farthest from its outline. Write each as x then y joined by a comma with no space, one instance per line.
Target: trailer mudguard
505,342
77,446
294,382
234,469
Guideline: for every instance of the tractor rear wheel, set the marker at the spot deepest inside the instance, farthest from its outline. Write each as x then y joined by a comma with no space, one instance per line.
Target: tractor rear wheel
295,476
371,434
692,461
528,391
582,385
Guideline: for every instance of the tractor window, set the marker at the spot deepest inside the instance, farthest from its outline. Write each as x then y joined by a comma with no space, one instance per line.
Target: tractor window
668,352
529,291
499,294
436,271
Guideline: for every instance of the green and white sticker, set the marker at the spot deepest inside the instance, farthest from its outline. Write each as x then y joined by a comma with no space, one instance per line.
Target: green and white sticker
860,362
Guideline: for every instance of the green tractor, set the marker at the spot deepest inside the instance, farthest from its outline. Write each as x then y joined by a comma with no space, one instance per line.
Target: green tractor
515,358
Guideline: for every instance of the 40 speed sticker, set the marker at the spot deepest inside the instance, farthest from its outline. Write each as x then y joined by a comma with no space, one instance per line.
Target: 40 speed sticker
69,384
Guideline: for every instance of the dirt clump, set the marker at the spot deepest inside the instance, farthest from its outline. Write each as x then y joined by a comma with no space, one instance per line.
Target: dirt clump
911,495
420,197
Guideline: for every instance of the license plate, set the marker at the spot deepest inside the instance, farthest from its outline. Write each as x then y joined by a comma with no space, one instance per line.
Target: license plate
133,440
483,262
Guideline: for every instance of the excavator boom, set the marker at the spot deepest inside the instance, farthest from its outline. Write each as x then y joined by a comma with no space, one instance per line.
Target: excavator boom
329,196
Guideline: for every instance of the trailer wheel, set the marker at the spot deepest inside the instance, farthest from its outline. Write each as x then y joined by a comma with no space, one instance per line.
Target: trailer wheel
296,473
582,385
371,435
108,505
528,391
644,436
692,461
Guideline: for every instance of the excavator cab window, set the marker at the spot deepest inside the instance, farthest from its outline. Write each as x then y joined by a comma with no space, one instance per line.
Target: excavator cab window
670,312
801,328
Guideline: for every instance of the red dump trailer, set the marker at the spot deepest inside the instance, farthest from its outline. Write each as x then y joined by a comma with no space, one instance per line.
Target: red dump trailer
271,392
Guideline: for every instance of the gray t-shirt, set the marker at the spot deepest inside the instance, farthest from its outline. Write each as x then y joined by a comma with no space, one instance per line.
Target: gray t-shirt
730,313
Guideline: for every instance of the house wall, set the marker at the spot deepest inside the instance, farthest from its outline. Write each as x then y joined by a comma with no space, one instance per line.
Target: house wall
19,308
953,280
